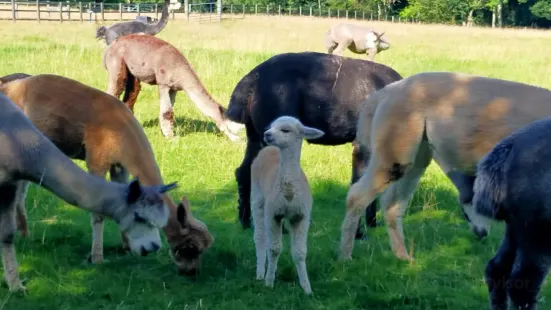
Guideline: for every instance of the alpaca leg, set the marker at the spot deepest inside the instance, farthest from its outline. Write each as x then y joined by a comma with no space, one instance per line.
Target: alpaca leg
117,77
498,271
8,228
360,158
299,238
273,225
166,114
132,91
21,211
96,221
395,200
119,174
257,206
341,46
243,175
529,272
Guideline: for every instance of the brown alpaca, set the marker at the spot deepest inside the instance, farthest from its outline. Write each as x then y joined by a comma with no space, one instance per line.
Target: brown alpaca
136,58
88,124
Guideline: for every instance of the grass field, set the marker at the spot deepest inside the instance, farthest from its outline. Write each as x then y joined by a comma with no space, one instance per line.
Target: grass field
449,265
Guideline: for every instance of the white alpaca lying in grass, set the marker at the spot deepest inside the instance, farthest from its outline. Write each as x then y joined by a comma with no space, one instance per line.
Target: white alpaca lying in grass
280,190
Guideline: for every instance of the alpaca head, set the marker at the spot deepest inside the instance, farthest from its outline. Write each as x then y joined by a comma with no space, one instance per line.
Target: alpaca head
376,40
143,214
286,131
193,239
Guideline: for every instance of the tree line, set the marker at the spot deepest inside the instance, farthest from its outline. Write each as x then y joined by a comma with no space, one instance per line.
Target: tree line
495,13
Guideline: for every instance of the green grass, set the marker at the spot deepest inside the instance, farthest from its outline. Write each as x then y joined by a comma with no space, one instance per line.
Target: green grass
449,265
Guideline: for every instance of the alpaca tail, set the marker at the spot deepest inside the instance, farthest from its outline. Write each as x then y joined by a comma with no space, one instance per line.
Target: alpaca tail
490,185
240,101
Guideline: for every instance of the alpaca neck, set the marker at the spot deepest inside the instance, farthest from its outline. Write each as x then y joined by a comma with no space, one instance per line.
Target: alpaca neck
61,176
289,164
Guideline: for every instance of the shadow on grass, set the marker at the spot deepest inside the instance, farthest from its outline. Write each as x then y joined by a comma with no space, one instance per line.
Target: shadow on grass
186,125
447,272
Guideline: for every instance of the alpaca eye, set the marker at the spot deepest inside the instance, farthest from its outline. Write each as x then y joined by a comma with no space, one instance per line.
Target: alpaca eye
285,130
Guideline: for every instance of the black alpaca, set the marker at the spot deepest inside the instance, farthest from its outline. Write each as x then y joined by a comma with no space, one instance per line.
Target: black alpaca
321,90
513,184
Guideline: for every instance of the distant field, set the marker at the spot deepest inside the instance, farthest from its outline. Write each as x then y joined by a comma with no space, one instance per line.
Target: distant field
449,266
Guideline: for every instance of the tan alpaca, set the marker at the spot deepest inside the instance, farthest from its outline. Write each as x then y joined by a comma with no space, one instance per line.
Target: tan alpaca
87,124
280,190
357,39
134,58
27,155
452,118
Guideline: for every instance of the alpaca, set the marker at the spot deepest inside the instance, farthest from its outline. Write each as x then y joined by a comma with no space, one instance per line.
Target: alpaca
452,118
357,39
280,190
511,186
109,34
142,58
323,91
27,155
87,124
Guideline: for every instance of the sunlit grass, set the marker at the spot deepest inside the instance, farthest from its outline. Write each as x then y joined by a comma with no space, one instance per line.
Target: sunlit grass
449,265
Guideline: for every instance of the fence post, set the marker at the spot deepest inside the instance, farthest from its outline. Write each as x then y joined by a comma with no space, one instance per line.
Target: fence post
138,8
156,11
355,15
310,11
102,15
38,11
69,11
279,9
371,16
13,16
329,13
300,10
219,9
60,12
120,11
338,13
186,9
290,10
267,9
256,9
346,14
243,11
173,14
231,9
363,14
393,19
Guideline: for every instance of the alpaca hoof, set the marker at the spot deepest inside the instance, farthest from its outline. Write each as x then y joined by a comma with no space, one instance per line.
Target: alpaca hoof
345,258
18,288
360,235
260,276
245,223
269,282
307,290
404,256
24,232
95,259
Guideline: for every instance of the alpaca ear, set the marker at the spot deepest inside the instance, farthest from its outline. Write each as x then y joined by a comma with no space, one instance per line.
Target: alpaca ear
134,191
310,133
183,210
165,188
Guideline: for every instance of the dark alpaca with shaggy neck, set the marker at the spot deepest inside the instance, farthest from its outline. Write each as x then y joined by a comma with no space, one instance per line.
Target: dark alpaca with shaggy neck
126,28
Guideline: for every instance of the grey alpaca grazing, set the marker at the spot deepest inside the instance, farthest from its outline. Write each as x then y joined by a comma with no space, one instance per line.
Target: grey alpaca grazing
513,184
121,29
357,39
27,155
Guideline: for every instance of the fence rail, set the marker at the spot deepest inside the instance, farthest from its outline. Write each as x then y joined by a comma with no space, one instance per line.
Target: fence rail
202,12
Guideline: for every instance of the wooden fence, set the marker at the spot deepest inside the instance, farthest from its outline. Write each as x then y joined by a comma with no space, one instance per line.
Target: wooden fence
203,12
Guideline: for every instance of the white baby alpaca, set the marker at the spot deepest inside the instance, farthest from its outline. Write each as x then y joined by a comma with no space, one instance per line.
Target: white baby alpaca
280,190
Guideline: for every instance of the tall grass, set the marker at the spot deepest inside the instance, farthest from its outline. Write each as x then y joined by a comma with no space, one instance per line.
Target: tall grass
449,266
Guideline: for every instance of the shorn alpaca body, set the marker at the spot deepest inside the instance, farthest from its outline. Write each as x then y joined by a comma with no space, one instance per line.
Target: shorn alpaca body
452,118
27,155
109,34
323,91
279,191
141,58
88,124
357,39
512,185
